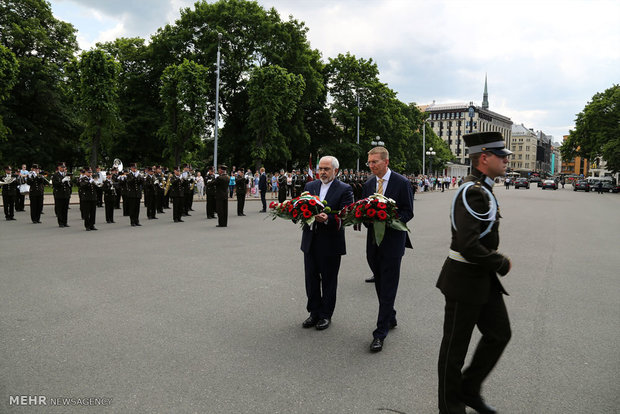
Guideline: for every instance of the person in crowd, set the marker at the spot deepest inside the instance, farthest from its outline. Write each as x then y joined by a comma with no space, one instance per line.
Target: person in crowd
323,244
384,259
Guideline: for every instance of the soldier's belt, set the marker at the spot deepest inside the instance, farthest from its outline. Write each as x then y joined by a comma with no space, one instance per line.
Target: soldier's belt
454,255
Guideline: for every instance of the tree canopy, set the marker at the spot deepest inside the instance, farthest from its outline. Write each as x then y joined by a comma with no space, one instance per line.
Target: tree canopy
597,130
154,102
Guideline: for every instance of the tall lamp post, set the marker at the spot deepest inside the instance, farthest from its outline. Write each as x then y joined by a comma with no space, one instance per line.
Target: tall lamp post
424,146
358,130
217,100
430,154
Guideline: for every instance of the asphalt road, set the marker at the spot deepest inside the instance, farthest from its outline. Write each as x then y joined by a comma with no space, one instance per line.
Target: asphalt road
190,318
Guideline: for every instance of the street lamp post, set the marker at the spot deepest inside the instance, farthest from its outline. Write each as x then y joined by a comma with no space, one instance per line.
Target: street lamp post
217,101
358,130
430,153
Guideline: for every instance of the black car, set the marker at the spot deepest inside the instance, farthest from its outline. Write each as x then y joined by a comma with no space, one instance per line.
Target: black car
581,185
522,182
536,180
549,184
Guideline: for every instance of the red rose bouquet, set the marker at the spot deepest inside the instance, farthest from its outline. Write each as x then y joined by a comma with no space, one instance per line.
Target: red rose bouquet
377,210
300,209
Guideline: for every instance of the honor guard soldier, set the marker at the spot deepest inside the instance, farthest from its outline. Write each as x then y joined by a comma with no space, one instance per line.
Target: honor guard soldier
88,199
469,281
9,188
299,181
221,196
240,185
134,184
61,183
282,187
210,192
149,193
177,193
109,198
37,188
20,198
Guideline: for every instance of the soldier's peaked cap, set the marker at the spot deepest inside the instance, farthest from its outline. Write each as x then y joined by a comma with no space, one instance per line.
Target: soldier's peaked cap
486,142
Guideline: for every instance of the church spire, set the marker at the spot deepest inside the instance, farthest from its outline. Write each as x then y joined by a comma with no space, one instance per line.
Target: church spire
485,96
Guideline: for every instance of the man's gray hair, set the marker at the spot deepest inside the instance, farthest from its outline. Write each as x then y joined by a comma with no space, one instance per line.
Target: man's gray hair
334,160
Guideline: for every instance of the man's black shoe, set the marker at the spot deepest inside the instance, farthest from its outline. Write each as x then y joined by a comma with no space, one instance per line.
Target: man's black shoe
93,228
263,211
322,324
310,322
371,279
376,345
66,225
478,404
217,225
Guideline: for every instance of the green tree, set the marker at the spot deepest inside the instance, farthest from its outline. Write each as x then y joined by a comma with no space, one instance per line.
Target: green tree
251,37
139,106
8,76
97,72
184,93
273,96
38,111
597,130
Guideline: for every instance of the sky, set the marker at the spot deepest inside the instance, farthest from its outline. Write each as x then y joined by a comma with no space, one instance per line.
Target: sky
544,59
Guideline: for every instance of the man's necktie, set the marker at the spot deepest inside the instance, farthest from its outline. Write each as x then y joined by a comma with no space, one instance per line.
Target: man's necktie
380,188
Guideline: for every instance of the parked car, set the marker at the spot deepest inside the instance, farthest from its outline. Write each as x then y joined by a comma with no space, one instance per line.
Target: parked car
536,180
549,184
581,185
608,186
522,182
616,188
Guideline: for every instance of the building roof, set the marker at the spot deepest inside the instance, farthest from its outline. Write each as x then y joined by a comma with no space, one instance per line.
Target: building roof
522,130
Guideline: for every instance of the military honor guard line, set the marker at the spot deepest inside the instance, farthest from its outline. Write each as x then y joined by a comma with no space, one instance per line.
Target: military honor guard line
468,280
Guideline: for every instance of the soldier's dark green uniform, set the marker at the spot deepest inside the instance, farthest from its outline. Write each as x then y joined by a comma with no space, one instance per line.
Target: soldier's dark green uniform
61,183
37,189
9,193
472,290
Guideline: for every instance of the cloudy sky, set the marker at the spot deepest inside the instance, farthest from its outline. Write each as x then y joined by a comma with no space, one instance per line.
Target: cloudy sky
544,58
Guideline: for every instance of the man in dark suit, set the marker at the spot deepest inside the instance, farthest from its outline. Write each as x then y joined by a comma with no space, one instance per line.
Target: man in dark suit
221,196
323,244
469,281
384,260
262,187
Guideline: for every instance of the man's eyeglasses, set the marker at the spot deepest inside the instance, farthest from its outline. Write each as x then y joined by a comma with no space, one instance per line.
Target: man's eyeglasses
369,163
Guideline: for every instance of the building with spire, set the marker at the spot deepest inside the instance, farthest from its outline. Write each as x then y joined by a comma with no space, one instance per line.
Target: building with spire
450,121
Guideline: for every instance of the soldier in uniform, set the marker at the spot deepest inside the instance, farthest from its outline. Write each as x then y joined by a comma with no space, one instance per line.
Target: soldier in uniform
221,196
99,176
149,194
177,193
469,282
9,188
210,192
117,188
159,190
88,199
37,188
187,189
20,199
299,183
109,197
240,185
61,183
133,186
281,187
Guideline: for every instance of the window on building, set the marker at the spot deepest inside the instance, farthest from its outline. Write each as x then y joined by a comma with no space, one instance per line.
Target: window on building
520,147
